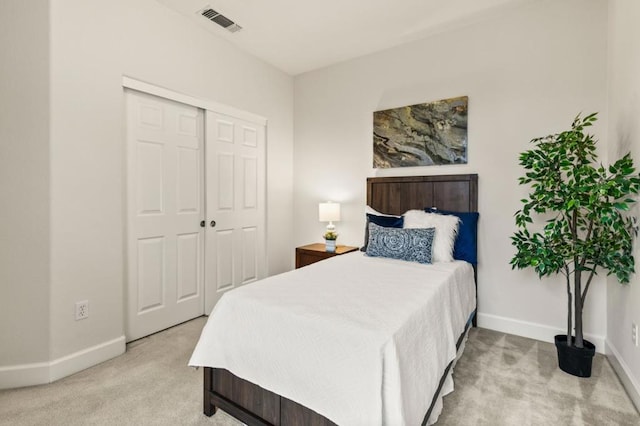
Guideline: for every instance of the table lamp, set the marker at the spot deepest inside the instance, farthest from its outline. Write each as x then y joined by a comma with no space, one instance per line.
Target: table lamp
329,212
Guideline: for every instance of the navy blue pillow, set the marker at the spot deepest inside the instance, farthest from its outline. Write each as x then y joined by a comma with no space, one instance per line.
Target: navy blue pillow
414,245
386,221
466,245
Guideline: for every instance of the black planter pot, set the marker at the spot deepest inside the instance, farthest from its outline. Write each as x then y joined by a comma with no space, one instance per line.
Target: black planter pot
572,360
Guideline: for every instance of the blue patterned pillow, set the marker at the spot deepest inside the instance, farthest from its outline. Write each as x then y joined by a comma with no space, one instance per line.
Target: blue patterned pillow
386,221
415,245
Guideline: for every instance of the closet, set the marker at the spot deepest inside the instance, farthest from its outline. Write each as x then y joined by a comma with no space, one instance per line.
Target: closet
195,184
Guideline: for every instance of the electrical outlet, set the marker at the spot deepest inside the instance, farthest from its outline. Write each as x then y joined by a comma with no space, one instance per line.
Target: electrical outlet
82,310
634,334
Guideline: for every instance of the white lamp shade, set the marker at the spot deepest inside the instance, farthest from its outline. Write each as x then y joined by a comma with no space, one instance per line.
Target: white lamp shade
329,212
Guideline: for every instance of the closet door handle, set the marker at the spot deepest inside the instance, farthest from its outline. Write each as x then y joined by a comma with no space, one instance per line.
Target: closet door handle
202,224
213,223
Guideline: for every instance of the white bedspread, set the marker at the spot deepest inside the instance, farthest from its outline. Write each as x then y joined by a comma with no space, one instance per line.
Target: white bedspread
360,340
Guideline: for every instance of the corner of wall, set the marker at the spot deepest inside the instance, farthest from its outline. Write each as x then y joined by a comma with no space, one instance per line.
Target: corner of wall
624,373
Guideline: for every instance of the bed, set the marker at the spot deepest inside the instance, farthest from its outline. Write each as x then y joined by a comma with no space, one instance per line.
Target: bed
330,367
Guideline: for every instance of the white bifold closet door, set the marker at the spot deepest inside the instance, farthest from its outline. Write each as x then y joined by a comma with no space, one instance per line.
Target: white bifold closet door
165,209
195,209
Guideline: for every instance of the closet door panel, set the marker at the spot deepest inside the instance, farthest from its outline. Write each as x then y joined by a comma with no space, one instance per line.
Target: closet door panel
165,242
235,203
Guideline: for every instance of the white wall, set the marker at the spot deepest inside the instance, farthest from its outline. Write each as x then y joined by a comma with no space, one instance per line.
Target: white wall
24,182
92,45
527,72
623,301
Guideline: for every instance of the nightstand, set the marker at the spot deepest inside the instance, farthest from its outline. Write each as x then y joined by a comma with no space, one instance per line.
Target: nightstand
312,253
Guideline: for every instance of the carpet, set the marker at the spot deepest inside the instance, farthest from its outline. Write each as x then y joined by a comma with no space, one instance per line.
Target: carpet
503,379
500,380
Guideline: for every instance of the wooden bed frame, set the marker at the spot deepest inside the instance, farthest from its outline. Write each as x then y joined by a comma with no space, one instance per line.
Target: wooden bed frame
254,405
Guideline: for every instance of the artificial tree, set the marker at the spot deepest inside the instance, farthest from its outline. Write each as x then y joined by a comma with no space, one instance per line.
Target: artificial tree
582,202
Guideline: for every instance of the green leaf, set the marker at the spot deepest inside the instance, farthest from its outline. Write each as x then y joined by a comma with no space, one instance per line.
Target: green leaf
581,200
621,206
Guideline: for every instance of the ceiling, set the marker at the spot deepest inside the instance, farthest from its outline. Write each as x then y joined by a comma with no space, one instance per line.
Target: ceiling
298,35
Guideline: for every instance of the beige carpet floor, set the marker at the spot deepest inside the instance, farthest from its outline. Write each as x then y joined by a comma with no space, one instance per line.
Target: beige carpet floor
500,380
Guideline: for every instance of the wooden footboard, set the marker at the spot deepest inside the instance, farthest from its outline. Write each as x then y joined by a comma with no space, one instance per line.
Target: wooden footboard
252,404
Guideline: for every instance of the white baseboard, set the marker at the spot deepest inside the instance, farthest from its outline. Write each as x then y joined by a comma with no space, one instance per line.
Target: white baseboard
531,330
623,371
81,360
15,376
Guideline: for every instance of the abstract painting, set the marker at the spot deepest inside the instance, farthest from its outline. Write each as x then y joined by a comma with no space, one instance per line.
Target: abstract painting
433,133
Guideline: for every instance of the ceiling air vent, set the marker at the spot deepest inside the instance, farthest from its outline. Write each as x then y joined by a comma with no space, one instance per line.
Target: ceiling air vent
221,20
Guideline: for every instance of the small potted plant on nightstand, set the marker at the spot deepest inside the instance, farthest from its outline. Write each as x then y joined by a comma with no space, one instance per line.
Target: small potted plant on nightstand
330,238
582,203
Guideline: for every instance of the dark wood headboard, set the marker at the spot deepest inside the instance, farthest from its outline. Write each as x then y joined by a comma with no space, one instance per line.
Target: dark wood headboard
396,195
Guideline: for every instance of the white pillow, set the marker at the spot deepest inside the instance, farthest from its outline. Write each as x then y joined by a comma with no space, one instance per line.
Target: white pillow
370,210
446,231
